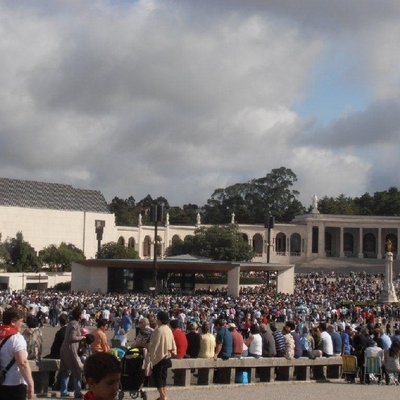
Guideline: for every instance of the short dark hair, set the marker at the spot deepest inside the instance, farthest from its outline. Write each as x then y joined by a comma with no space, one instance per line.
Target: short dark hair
205,327
89,338
291,325
32,321
163,317
76,313
254,328
98,365
173,323
12,314
219,322
102,322
63,319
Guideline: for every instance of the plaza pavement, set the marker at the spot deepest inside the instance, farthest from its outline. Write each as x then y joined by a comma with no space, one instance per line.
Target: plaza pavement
272,391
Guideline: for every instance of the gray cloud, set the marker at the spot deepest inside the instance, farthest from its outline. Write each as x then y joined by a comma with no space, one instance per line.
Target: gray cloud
177,99
378,124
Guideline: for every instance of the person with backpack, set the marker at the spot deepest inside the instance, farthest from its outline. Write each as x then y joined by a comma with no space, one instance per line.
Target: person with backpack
18,382
34,338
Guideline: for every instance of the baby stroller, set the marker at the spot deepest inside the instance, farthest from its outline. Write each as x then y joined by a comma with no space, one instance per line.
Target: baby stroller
132,376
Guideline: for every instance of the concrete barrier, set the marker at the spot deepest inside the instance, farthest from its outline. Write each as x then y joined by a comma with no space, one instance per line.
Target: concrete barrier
261,369
41,373
209,372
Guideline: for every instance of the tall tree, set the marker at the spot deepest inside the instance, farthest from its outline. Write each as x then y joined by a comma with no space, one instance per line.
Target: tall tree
125,211
183,216
60,258
387,202
23,256
340,205
113,250
253,201
220,243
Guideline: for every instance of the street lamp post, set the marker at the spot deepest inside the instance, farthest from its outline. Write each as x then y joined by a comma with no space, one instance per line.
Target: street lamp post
99,224
269,225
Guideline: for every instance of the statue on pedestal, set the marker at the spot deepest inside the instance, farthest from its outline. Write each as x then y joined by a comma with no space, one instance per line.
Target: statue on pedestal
233,218
314,199
389,246
198,219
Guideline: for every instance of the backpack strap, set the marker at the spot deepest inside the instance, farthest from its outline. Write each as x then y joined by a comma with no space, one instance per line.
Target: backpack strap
11,363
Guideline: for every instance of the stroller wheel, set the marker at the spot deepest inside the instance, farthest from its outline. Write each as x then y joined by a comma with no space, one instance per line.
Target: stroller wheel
144,395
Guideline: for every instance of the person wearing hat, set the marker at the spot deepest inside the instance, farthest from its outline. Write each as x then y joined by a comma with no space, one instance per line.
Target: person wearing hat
238,343
161,346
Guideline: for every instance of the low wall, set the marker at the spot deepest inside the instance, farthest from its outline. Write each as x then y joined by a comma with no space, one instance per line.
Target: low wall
200,371
258,370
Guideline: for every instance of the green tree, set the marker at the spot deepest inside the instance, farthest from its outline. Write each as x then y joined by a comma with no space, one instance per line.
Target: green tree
183,216
253,201
23,256
60,258
113,250
387,202
220,243
340,205
126,213
364,204
4,255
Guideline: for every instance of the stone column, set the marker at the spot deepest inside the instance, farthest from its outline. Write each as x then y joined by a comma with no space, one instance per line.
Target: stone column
341,243
379,250
360,249
234,282
388,293
285,281
309,241
321,240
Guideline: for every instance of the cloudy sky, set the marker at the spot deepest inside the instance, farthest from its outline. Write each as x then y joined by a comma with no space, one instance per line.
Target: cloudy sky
179,98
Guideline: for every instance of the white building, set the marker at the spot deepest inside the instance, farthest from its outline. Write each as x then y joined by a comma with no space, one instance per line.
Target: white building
48,213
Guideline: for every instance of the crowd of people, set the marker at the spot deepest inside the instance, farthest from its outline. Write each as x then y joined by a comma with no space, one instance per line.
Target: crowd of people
328,315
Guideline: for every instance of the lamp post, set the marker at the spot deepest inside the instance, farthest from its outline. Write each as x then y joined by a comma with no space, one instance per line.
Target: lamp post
269,225
99,224
156,216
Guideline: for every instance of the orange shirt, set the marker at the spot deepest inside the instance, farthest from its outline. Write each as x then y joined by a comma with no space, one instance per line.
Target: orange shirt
100,341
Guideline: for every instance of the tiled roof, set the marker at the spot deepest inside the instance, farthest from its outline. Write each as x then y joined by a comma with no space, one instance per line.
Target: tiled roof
53,196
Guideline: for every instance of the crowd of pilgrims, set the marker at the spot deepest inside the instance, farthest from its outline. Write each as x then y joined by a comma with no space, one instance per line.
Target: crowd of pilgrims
317,297
323,317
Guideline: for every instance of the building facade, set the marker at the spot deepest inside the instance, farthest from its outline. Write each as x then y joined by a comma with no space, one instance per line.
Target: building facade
48,213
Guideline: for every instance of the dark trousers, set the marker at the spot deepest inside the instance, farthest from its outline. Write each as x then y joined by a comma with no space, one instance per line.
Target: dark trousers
13,392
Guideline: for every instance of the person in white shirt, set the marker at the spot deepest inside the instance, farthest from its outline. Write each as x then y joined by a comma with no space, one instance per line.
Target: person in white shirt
327,345
105,314
373,351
